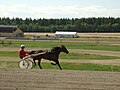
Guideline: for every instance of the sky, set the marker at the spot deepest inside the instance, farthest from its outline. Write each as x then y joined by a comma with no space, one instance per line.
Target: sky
59,8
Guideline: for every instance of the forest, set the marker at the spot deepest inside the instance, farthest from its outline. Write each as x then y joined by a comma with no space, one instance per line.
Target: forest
84,25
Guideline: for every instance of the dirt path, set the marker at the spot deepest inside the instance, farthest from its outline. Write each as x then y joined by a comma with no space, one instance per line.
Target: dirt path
16,79
115,62
97,52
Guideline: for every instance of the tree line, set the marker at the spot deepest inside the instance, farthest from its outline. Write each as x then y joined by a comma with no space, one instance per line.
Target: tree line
100,24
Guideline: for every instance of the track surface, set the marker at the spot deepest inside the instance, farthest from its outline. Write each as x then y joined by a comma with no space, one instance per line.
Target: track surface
17,79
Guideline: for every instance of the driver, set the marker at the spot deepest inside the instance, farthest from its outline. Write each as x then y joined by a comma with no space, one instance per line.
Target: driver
21,52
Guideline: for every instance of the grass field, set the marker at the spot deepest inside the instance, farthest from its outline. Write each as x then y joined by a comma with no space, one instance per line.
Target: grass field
76,56
10,50
66,66
70,45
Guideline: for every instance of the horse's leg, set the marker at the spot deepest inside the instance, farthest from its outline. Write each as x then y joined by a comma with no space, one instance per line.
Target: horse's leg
59,65
34,63
39,63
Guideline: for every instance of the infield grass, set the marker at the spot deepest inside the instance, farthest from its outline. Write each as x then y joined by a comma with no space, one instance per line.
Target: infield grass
65,66
48,44
69,45
76,56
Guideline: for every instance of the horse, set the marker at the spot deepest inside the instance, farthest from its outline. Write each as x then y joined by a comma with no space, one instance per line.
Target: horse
51,55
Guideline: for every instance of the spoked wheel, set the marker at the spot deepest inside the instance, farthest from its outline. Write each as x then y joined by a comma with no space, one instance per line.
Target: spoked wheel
23,64
30,64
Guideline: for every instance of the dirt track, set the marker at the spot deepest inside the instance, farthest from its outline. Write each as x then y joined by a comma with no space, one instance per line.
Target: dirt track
16,79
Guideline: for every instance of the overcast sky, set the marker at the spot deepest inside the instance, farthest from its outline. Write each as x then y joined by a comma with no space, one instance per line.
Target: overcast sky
59,8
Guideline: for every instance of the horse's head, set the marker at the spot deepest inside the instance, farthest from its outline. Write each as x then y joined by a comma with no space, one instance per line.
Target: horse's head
64,49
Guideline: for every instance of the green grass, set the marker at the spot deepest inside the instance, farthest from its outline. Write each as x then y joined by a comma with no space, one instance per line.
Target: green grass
8,64
8,54
70,45
65,66
76,56
89,66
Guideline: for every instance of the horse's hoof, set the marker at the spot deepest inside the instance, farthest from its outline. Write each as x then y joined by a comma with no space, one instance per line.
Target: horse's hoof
53,63
34,65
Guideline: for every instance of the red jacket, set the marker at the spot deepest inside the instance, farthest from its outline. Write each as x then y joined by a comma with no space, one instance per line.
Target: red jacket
22,53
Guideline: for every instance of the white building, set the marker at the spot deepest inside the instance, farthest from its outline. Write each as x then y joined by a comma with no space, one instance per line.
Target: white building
63,34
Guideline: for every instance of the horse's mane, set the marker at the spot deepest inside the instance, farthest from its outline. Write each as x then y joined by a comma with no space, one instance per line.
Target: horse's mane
55,48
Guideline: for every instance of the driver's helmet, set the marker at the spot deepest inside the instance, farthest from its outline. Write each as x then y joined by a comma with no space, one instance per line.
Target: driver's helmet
22,46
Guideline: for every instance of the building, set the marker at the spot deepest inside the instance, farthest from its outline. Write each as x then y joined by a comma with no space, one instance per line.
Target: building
61,34
10,31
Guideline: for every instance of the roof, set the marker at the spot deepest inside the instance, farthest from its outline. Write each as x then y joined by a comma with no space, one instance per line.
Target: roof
8,29
70,33
7,26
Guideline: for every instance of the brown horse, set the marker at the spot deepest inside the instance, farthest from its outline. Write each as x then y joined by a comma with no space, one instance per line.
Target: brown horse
52,55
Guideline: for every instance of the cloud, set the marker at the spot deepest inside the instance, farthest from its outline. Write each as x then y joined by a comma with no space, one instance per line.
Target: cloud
23,11
99,11
94,11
